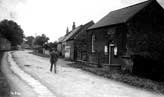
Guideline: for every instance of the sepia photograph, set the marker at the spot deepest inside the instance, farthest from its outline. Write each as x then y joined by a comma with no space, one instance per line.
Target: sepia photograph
81,48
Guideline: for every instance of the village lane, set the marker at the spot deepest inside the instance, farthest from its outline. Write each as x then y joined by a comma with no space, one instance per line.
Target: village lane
73,82
17,86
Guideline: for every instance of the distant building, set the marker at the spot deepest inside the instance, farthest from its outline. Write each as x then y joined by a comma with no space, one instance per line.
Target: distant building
59,45
68,44
75,43
81,43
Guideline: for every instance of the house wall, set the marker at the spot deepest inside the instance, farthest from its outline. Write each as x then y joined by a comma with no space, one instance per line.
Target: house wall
147,23
100,41
81,49
104,37
46,52
81,43
81,46
67,54
70,44
63,49
145,35
59,48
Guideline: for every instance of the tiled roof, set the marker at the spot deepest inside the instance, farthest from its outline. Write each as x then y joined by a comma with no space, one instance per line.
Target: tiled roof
83,29
68,36
120,15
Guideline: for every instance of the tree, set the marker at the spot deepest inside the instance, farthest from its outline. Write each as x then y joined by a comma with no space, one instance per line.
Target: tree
51,45
12,31
29,40
41,40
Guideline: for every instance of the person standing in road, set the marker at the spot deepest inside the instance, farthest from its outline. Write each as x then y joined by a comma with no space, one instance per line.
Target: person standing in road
53,59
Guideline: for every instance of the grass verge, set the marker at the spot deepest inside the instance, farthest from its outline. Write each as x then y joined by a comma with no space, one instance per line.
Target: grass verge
127,78
4,86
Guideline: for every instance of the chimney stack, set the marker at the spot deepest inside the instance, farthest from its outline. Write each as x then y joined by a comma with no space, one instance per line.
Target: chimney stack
73,26
67,31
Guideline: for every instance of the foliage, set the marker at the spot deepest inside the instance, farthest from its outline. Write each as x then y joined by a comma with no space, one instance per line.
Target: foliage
41,40
149,45
29,40
50,45
12,31
123,77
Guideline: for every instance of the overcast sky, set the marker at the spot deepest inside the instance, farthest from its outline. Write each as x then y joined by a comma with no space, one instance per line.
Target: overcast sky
52,17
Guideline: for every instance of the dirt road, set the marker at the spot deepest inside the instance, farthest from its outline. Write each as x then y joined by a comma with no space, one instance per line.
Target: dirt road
73,82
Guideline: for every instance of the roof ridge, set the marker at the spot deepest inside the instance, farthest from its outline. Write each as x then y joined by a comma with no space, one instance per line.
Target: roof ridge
121,15
133,5
69,35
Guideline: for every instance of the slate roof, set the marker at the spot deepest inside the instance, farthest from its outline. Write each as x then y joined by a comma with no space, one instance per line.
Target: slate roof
83,29
67,37
120,15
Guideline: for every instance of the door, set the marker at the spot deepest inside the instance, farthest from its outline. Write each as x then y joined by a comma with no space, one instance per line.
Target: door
111,52
67,51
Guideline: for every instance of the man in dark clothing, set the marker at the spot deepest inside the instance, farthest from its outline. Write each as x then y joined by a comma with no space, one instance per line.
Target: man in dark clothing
53,59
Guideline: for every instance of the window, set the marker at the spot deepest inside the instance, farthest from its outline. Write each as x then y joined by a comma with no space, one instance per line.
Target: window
93,42
105,49
115,51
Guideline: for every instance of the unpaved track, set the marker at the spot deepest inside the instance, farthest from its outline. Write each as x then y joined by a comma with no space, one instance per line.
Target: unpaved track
18,87
73,82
